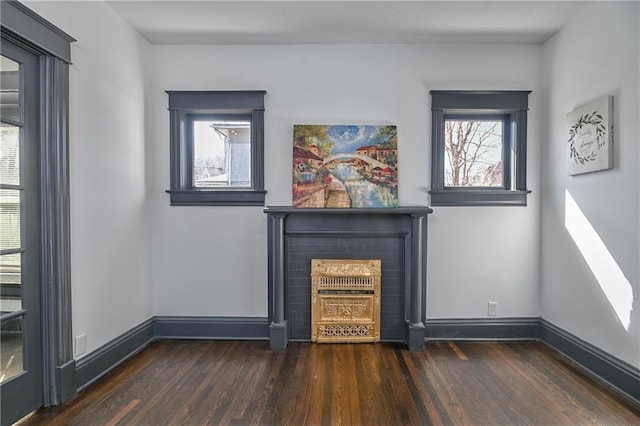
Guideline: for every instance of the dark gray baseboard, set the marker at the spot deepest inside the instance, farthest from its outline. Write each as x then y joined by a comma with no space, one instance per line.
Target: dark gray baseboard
214,328
278,336
415,336
104,359
616,373
108,356
66,377
623,377
504,329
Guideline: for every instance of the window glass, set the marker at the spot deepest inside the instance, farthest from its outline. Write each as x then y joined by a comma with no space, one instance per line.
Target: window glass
473,153
9,219
10,269
9,89
11,349
221,154
9,154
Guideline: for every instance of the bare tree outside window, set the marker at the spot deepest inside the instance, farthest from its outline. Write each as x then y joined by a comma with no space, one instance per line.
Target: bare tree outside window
473,153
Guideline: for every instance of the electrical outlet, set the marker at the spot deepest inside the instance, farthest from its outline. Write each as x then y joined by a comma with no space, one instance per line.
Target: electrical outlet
492,310
81,344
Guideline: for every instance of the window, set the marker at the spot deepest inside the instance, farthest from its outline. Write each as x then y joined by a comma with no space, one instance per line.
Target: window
217,148
479,148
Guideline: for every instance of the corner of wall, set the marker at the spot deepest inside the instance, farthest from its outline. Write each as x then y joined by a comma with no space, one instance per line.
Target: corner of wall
110,230
584,294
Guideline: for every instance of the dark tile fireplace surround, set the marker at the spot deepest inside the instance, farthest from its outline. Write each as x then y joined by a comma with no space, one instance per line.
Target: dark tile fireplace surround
397,236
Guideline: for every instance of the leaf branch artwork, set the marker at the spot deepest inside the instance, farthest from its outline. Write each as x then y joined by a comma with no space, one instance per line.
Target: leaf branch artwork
590,143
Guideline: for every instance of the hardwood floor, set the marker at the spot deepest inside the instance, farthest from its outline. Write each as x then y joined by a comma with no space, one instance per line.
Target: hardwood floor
238,383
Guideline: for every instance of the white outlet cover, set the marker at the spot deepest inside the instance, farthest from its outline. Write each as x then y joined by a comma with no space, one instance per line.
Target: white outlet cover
492,309
81,344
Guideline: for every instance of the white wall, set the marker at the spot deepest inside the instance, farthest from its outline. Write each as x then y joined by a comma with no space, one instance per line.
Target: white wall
596,54
110,224
134,256
476,255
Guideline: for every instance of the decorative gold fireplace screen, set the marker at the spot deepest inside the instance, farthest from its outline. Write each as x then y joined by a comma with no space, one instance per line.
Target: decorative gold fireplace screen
345,300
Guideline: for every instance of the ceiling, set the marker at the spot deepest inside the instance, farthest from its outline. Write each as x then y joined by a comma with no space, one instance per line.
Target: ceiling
355,22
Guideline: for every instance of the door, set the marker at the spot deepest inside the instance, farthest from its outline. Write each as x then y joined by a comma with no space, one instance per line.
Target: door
21,377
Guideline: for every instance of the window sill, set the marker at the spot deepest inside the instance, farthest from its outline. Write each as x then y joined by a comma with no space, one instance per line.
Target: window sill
479,197
200,197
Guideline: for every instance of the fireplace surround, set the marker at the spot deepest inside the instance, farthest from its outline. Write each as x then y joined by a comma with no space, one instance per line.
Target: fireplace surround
397,236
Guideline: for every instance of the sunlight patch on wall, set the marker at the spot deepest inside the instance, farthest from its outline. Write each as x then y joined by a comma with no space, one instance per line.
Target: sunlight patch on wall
613,283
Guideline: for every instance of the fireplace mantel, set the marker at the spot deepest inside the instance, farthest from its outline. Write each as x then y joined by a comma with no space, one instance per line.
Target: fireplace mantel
407,210
408,225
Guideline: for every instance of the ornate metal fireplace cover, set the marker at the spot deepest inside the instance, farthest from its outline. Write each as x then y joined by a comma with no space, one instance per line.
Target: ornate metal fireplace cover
345,300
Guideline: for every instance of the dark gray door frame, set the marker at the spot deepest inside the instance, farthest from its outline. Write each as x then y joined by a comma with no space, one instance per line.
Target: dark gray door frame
24,391
23,27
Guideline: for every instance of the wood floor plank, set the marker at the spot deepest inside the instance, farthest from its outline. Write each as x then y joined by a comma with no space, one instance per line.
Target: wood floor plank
245,383
375,407
448,408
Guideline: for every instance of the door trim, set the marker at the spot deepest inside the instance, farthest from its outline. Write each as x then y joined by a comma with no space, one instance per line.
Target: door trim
30,31
55,229
35,33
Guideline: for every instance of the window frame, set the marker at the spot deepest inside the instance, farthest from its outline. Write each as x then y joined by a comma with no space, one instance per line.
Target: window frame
187,106
508,106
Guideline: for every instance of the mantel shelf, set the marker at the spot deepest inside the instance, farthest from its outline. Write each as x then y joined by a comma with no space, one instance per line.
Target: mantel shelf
404,210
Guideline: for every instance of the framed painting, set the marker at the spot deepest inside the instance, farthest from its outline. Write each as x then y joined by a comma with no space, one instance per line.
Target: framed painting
342,166
590,144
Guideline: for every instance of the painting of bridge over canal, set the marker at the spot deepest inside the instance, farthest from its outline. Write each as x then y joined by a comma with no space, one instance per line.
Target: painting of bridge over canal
342,166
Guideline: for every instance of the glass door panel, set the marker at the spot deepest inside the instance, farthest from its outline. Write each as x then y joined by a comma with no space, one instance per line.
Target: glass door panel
11,312
21,381
11,352
10,214
9,154
10,282
10,102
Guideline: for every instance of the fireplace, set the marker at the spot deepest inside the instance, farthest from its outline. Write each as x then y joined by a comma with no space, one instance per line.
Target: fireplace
345,300
395,236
